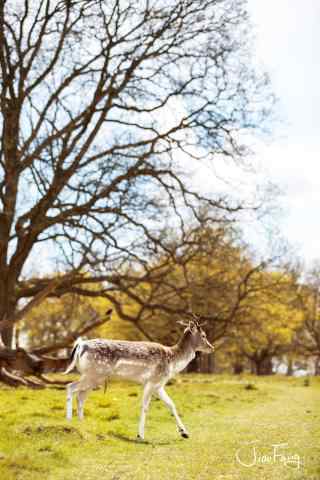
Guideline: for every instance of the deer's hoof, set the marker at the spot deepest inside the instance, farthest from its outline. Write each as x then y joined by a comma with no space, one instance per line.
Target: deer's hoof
139,438
184,434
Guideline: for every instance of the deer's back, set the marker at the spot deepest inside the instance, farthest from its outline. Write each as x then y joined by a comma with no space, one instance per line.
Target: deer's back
138,361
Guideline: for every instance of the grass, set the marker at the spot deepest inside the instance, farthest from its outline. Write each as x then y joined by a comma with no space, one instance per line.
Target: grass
222,414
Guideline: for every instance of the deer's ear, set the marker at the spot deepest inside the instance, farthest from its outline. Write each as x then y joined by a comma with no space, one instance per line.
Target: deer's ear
184,324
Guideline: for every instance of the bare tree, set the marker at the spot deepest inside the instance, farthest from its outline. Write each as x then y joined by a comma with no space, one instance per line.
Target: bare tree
103,106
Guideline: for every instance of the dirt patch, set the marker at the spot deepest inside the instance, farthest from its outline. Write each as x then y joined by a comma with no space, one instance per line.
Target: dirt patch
213,396
52,430
45,449
114,417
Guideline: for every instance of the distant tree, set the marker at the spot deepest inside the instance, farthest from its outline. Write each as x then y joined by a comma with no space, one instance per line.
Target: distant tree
211,276
307,339
272,315
98,102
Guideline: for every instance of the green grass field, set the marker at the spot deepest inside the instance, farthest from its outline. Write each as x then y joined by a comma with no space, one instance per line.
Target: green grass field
227,422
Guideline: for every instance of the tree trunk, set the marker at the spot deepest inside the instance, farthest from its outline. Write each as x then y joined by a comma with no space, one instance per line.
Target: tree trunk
289,372
268,367
258,367
264,366
212,363
7,335
8,305
253,367
206,363
238,368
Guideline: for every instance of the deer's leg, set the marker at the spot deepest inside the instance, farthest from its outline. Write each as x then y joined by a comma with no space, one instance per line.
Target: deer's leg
71,389
167,400
147,394
81,397
85,384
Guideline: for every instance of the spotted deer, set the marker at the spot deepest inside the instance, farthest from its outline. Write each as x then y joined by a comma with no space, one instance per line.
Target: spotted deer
149,363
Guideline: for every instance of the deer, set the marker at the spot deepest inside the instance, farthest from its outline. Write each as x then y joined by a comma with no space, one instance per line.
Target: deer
148,363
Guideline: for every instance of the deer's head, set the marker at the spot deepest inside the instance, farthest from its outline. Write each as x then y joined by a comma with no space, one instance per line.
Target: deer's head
197,336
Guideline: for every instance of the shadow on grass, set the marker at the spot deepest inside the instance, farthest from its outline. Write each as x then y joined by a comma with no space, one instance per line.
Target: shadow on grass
125,438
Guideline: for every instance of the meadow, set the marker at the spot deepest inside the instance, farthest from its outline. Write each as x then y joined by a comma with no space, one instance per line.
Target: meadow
242,428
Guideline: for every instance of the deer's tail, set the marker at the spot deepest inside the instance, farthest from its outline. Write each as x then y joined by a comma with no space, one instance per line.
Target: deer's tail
74,355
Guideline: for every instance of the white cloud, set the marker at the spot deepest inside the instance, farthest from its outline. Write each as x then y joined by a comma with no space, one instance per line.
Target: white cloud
288,37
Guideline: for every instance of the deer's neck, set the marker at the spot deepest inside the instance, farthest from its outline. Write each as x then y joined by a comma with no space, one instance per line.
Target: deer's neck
183,353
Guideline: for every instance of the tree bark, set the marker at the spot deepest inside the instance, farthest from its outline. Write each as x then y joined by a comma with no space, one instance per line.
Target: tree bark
6,320
7,335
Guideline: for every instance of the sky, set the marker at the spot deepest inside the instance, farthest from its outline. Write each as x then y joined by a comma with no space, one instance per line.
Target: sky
287,45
